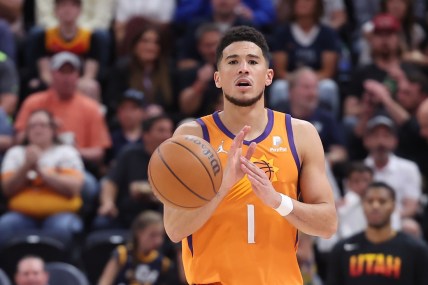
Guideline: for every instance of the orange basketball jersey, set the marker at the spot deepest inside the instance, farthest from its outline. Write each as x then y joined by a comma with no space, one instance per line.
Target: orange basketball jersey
79,45
245,241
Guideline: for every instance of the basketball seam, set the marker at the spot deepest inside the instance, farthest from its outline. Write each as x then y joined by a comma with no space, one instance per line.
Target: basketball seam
208,172
160,193
178,178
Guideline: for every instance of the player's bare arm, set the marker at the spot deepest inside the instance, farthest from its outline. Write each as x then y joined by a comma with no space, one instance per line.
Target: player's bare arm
318,201
180,223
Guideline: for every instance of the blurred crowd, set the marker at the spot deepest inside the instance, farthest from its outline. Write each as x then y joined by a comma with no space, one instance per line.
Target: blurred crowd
90,88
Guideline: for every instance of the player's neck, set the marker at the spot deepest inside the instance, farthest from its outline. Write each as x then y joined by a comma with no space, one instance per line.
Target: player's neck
378,235
235,118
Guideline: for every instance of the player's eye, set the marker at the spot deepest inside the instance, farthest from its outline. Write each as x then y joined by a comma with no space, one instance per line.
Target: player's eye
252,62
233,61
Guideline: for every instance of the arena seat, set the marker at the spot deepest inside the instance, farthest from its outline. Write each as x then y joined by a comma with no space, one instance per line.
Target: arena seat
4,280
97,251
32,243
61,273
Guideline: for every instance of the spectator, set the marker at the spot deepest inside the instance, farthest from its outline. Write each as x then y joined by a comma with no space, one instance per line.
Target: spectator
125,191
45,171
304,104
385,47
412,35
158,12
381,140
145,69
259,12
96,14
306,42
67,36
334,14
141,261
31,270
422,116
379,255
130,115
223,14
7,41
198,94
80,121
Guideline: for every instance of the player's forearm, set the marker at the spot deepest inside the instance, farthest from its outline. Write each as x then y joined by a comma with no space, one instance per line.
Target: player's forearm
180,224
314,219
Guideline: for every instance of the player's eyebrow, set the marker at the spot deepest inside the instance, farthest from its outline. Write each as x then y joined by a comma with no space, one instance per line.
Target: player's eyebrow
236,56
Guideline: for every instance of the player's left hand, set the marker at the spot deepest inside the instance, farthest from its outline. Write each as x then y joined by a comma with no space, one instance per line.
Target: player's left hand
261,184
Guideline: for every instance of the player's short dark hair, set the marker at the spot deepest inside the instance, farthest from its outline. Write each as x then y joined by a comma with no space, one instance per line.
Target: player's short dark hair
242,34
378,184
150,122
357,166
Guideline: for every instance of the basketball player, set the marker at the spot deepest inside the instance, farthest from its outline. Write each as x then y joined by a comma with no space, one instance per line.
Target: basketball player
274,180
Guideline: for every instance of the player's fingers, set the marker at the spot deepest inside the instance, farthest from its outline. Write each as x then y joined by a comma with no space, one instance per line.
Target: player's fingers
250,151
253,171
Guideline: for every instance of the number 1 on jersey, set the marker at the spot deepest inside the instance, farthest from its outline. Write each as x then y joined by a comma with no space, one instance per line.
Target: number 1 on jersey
251,223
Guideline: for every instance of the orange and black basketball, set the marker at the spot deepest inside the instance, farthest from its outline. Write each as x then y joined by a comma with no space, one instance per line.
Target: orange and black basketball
185,172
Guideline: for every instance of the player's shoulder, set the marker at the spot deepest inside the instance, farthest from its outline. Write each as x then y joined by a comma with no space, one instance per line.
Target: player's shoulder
303,130
189,128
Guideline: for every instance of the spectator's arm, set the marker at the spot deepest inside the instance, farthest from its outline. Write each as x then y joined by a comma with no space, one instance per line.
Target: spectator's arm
90,69
16,181
410,207
10,9
280,64
110,272
43,65
95,154
65,184
336,153
6,142
328,65
108,198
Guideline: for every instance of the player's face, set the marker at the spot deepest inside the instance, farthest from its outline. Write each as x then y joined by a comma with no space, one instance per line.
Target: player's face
243,74
378,207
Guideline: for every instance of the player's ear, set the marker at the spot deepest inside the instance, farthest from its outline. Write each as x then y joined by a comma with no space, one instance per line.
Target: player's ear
269,77
217,79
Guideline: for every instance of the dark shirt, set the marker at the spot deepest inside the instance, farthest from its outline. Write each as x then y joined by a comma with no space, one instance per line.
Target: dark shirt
329,130
401,260
119,141
299,55
131,166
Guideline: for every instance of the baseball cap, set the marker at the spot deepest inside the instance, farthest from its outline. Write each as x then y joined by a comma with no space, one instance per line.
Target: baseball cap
380,120
134,95
386,23
61,58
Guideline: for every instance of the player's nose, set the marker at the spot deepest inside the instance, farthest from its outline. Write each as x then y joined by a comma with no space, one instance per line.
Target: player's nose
243,67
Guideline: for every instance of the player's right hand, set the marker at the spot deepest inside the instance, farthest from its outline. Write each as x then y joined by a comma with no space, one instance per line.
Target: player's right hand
233,172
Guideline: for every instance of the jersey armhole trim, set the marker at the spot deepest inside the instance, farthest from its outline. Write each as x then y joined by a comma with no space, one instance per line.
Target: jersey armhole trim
206,135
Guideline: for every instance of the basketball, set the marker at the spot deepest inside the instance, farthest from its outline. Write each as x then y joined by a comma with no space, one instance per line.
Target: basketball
185,172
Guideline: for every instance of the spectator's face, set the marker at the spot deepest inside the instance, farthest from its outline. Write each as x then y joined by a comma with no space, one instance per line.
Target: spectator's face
31,272
40,131
208,44
148,47
304,95
409,96
397,8
358,181
378,207
160,131
67,12
151,237
224,8
305,8
130,115
385,43
380,142
64,80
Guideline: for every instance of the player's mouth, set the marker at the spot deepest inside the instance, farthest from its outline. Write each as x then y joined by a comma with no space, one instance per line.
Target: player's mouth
243,84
